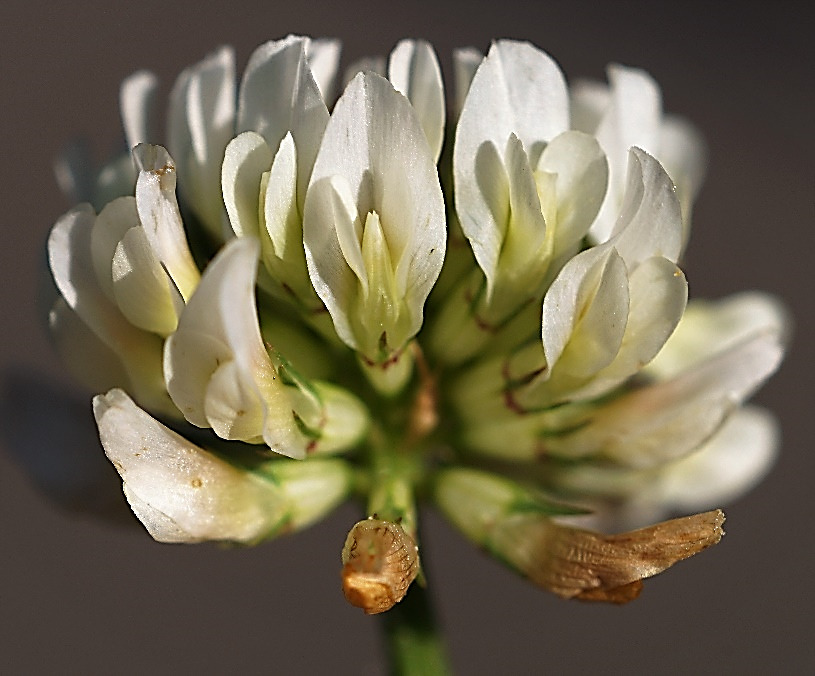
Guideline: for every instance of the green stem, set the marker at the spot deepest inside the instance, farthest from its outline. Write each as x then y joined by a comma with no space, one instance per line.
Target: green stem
415,646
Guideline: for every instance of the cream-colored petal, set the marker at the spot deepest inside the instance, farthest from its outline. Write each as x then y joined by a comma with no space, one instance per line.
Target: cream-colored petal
519,90
650,220
585,312
136,100
375,145
734,460
414,70
216,365
160,217
632,118
179,491
142,288
201,121
683,153
712,327
323,57
581,170
465,62
278,95
69,255
110,226
658,295
667,420
246,159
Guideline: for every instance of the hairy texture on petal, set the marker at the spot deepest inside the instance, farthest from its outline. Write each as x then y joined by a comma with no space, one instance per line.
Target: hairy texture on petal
160,217
217,369
374,158
278,95
180,492
519,90
201,122
575,563
414,70
136,101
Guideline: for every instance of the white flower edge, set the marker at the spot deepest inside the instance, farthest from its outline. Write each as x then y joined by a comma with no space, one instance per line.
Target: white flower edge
517,89
216,366
374,158
185,494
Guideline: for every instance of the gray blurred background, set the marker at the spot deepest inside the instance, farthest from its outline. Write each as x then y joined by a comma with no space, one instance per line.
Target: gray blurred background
83,595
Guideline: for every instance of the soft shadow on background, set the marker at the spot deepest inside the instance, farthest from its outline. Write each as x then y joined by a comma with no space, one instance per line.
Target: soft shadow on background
82,595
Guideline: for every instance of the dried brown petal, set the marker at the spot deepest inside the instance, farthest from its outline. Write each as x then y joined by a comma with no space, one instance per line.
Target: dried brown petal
380,561
575,563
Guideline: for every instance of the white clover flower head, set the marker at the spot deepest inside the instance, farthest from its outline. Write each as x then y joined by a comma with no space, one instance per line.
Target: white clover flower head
286,308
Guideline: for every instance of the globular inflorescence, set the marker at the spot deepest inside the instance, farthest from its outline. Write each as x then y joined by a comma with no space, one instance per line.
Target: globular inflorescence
286,302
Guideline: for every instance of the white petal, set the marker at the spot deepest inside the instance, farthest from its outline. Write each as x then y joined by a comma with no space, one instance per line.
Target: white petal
69,254
160,217
143,290
519,90
332,231
650,220
109,228
465,62
179,491
216,365
136,101
280,205
712,327
375,143
658,292
323,56
201,122
581,168
526,229
588,101
730,464
246,159
414,70
683,153
667,420
115,179
632,118
585,312
278,95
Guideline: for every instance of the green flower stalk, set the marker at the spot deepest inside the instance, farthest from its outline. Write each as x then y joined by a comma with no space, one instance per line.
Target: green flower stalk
265,284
